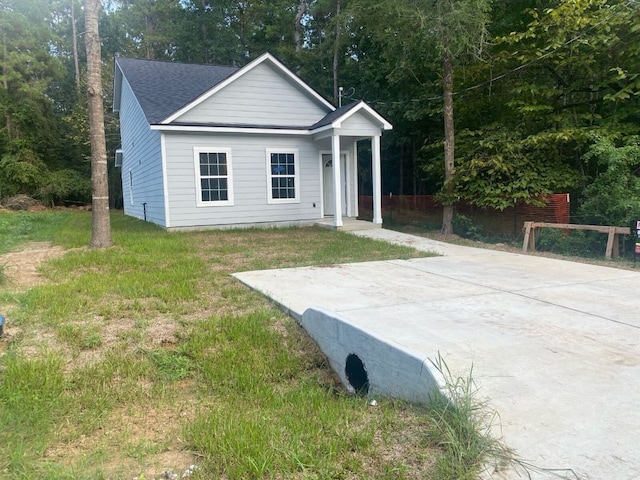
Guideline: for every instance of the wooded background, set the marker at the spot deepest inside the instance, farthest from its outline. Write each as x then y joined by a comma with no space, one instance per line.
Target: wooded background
546,94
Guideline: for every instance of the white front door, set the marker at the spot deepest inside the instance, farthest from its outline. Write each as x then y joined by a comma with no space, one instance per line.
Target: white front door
327,191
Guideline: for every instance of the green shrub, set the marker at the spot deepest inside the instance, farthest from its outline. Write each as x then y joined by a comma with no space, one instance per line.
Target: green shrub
464,227
575,242
20,172
613,198
63,185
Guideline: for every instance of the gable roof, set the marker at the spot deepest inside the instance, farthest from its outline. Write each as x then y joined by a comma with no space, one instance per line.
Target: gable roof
264,58
162,88
167,90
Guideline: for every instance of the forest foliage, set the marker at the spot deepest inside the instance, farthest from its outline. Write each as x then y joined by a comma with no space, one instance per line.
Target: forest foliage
547,100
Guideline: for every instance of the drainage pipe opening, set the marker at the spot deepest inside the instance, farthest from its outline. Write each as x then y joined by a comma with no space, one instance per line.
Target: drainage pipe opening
357,374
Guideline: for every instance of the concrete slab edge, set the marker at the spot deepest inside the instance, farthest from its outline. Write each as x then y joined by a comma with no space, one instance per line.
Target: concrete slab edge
390,370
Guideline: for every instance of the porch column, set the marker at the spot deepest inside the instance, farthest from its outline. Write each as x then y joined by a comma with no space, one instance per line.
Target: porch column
377,180
337,197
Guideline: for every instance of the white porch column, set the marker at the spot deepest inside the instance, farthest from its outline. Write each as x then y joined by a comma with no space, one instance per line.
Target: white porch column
355,180
337,189
377,179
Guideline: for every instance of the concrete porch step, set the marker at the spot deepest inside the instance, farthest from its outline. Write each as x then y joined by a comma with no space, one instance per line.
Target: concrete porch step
348,224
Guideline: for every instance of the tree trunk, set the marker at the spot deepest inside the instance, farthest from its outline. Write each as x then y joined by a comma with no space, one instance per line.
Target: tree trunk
401,165
5,85
297,26
449,143
74,33
336,51
205,52
148,20
101,227
5,82
414,167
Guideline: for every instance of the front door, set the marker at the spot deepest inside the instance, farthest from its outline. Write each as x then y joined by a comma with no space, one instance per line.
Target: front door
327,175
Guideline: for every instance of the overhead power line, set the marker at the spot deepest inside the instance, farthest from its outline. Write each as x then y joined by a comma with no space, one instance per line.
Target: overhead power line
519,67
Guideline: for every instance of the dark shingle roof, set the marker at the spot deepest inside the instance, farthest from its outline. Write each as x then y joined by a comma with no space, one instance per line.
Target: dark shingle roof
331,116
162,88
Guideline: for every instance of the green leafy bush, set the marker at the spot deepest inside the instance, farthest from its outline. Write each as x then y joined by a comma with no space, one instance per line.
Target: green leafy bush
464,227
613,198
575,242
63,185
20,172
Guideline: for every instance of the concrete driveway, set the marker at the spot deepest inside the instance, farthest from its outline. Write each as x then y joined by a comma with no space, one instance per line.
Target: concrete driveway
554,345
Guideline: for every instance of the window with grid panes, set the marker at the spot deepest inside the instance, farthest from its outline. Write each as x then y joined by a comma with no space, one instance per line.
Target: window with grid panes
214,176
283,176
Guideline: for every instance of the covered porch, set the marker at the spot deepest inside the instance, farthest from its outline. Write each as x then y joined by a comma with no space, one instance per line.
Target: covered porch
337,136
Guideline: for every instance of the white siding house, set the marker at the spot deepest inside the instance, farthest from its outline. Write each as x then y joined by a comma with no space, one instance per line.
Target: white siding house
207,146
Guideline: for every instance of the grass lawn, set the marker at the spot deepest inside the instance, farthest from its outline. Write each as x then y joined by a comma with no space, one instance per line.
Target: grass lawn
149,356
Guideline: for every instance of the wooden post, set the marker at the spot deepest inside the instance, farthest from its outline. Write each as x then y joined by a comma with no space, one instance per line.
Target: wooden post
527,232
529,236
611,240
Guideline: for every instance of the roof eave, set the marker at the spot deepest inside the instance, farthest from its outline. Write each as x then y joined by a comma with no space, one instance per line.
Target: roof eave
230,129
117,86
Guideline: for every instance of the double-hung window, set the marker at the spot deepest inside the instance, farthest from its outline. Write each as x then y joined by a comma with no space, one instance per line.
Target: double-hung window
214,181
282,176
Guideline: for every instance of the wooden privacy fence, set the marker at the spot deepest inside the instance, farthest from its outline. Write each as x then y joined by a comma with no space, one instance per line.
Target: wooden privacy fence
612,242
509,221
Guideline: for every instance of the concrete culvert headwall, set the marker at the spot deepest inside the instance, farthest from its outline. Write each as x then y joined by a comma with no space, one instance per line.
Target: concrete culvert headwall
370,365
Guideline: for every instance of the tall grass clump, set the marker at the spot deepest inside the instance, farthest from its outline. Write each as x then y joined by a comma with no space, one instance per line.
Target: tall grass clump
269,417
21,227
31,403
464,429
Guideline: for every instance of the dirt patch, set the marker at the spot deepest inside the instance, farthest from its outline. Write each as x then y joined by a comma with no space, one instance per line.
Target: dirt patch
21,267
142,441
20,272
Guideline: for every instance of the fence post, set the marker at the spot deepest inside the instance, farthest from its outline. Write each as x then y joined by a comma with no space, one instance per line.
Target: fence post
529,236
612,242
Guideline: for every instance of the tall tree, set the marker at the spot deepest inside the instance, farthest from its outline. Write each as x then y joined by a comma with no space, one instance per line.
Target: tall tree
460,29
565,74
74,42
101,227
31,142
336,51
435,35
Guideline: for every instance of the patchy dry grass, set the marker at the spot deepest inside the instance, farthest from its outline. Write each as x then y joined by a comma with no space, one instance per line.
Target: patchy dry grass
149,356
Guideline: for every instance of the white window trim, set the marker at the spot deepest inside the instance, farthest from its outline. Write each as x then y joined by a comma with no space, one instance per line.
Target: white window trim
196,163
296,176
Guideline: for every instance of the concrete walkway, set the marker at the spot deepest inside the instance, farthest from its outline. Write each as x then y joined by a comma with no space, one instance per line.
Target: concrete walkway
554,345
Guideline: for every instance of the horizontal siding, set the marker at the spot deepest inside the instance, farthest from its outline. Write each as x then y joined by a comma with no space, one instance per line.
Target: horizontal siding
249,180
142,157
262,96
